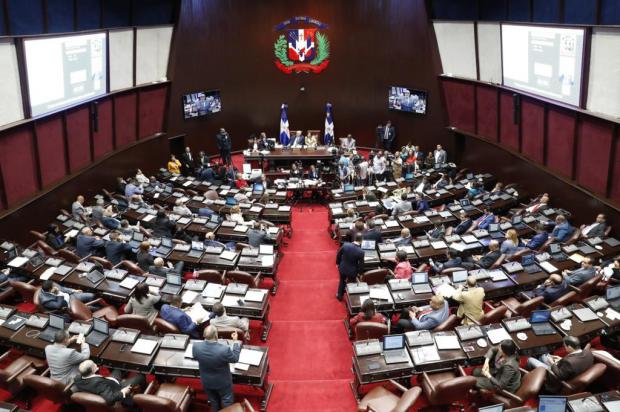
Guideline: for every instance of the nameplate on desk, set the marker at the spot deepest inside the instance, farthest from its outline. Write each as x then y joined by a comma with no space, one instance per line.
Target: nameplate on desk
174,341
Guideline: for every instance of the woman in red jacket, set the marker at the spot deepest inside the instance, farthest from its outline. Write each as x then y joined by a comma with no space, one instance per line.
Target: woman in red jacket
368,314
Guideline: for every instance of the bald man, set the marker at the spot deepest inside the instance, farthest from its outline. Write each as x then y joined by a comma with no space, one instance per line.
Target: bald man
214,359
426,319
490,257
552,289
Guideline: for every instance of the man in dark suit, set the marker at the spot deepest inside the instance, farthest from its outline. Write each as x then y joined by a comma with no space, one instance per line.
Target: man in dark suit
464,224
596,229
160,268
552,289
350,261
539,238
386,135
213,361
373,232
188,163
111,389
500,369
491,257
224,144
560,369
87,244
117,250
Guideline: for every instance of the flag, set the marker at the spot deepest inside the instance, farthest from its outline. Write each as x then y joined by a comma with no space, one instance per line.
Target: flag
328,138
285,134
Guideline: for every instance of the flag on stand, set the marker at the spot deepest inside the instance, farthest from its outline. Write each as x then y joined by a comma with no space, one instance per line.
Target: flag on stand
328,137
285,134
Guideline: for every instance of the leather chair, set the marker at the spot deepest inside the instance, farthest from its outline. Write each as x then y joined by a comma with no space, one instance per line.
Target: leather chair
210,275
6,292
585,289
564,300
531,384
226,333
80,311
522,308
371,330
447,388
582,381
380,399
131,267
493,316
375,276
238,276
168,397
69,256
498,262
163,326
449,324
239,407
45,248
239,246
12,376
138,322
95,403
38,235
611,377
25,290
48,388
105,263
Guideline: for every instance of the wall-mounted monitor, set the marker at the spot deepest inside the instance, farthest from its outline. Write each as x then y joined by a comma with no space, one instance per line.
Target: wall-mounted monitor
63,71
546,61
201,104
407,100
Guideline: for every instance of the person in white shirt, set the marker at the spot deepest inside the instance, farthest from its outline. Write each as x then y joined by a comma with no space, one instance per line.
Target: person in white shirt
180,208
348,143
596,229
378,166
362,170
141,178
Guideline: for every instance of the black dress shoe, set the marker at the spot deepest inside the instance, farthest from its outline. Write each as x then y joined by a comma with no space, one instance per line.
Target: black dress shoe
339,298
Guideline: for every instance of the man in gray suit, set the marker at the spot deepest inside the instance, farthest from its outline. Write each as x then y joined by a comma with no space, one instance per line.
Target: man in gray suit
64,361
403,206
596,229
441,157
581,275
213,361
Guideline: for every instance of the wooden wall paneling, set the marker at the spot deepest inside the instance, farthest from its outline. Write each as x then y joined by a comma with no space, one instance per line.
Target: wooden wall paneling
52,151
78,138
487,112
103,138
561,126
532,129
508,130
593,153
18,164
125,118
460,104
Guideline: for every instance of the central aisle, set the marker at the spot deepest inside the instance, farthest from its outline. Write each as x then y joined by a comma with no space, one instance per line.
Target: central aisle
310,352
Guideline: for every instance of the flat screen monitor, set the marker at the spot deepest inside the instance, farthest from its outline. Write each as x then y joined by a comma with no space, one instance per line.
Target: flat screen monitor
552,404
546,61
57,322
407,100
65,70
201,104
393,342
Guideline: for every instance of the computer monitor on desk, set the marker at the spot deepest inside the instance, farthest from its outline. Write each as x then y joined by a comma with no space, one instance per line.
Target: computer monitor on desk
349,188
552,404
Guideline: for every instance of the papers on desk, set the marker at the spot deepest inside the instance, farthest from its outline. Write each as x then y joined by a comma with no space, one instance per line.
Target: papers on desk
424,354
576,257
469,238
48,273
391,223
144,346
189,351
497,275
198,313
18,262
379,293
421,219
498,335
189,296
255,295
446,290
250,357
440,244
255,209
230,300
547,267
612,314
447,342
407,248
148,218
239,366
240,228
284,208
267,260
213,290
273,230
129,283
72,233
228,255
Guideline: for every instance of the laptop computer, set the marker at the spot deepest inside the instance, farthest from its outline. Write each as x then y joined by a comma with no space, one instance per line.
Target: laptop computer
394,349
596,303
258,188
612,295
529,264
15,322
348,188
552,404
100,332
136,239
164,247
173,284
512,267
56,324
517,222
419,282
492,408
459,277
539,320
369,244
230,201
196,250
408,176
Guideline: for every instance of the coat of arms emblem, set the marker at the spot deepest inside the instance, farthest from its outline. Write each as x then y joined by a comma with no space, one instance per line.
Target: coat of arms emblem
301,49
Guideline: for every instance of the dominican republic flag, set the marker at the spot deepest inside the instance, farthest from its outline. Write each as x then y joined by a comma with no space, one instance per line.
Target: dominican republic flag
285,134
328,137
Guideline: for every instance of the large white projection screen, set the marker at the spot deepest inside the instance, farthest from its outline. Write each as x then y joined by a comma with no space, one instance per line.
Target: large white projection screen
546,61
66,70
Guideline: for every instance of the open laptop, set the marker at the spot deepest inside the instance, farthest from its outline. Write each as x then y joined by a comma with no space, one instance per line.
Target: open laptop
552,404
258,188
164,247
408,177
529,264
492,408
419,282
459,277
512,267
369,244
56,324
394,349
136,239
197,250
613,297
517,222
173,284
539,320
99,334
348,188
95,277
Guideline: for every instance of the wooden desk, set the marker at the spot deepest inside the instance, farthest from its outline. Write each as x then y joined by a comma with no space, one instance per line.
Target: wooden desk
585,331
119,356
406,298
448,358
535,345
252,310
216,262
354,302
281,154
494,290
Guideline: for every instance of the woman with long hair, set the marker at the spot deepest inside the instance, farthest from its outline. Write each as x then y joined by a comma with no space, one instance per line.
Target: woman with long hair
368,314
142,302
510,246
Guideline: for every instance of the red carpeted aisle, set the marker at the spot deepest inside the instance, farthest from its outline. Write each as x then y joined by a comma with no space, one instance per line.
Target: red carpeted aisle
309,348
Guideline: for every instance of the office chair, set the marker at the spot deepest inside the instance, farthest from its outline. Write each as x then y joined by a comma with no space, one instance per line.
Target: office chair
141,323
95,403
611,377
564,300
582,381
37,235
210,275
48,388
380,399
531,384
371,330
447,388
226,333
449,324
525,308
375,276
45,248
81,311
25,290
131,267
239,276
163,326
12,376
493,316
167,397
69,256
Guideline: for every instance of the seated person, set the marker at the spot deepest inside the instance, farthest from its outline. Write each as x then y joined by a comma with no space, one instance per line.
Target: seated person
404,239
563,369
78,210
485,220
174,314
581,275
538,205
368,314
454,261
465,223
313,174
554,287
373,232
539,238
160,268
144,257
174,165
112,389
257,235
490,257
441,182
403,206
421,204
425,319
105,216
210,240
510,246
500,369
55,238
498,189
117,250
143,302
86,244
180,208
596,229
54,296
235,215
403,268
348,143
221,320
358,228
562,230
240,182
471,300
163,227
63,360
311,140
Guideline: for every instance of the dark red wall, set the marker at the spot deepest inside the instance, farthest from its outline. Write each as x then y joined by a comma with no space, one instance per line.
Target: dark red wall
228,45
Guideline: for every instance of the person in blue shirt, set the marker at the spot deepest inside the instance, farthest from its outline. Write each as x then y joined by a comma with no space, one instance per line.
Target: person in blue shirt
174,314
426,320
554,288
474,190
539,238
485,220
579,276
421,204
562,230
133,188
